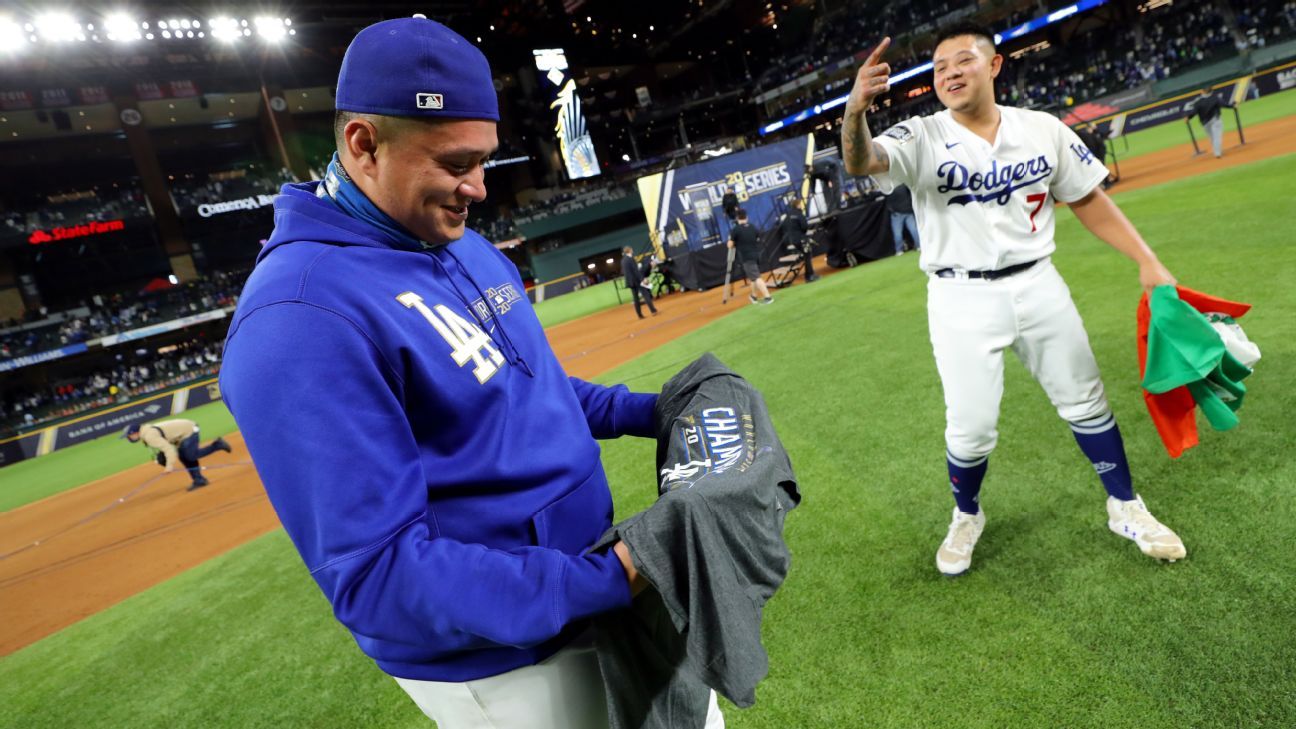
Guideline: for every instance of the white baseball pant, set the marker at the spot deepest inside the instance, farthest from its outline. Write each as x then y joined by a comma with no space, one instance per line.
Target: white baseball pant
564,691
1215,128
972,321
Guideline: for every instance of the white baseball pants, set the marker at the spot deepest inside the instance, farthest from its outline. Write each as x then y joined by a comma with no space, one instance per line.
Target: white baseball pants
563,692
1215,128
972,321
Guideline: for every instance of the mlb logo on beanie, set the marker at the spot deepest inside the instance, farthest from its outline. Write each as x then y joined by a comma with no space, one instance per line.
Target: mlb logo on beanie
430,101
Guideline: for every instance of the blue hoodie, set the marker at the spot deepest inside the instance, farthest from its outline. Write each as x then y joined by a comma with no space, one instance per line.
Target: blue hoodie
441,481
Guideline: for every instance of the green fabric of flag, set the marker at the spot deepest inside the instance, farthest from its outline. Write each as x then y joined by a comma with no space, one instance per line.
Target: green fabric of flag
1185,350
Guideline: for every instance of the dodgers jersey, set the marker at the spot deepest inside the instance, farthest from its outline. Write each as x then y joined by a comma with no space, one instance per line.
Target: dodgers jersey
983,206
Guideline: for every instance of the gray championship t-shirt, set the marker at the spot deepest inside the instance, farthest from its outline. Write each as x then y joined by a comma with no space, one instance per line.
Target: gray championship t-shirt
712,547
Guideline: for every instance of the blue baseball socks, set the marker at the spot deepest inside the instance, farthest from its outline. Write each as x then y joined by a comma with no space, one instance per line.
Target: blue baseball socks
1101,442
965,481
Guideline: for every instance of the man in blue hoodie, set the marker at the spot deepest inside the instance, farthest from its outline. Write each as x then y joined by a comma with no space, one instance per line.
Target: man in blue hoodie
433,465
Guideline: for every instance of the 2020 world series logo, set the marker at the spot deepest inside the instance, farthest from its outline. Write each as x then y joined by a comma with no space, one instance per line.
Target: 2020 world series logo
720,440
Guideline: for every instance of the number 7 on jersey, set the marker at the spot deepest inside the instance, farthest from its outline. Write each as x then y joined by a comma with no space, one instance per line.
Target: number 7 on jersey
1038,198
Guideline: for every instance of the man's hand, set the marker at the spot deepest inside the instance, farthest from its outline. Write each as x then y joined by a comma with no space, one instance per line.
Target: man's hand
860,154
870,81
637,582
1152,274
730,244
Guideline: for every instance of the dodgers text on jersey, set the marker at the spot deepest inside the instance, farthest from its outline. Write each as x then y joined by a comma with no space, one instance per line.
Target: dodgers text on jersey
998,183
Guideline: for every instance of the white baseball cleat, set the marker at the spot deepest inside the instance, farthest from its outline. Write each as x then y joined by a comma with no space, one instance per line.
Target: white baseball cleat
955,554
1132,520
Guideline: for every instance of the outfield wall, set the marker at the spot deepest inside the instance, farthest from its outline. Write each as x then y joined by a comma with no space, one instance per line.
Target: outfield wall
1177,108
109,421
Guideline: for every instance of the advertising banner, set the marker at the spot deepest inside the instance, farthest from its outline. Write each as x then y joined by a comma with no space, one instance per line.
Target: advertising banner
686,206
54,98
148,91
203,393
1108,105
93,94
19,449
1275,80
112,422
207,210
15,100
31,359
94,227
1170,110
166,326
1174,109
182,89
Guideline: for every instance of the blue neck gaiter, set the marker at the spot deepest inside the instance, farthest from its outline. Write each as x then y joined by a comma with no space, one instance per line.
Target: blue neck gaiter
343,192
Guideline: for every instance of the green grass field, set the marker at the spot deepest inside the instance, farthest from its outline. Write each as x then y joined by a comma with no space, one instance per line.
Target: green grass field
1059,624
567,307
32,480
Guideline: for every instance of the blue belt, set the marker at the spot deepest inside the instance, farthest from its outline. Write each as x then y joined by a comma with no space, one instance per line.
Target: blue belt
989,275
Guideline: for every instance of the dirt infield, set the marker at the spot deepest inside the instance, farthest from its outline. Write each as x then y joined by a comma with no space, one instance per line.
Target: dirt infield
104,551
95,551
597,343
1270,139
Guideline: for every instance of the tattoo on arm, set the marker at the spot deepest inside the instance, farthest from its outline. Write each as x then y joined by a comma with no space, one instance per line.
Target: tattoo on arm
880,154
862,155
857,144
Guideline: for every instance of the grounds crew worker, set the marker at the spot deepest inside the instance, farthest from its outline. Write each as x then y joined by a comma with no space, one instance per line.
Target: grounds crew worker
176,441
434,466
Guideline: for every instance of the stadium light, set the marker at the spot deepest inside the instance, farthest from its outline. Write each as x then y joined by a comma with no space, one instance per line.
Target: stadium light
224,28
57,27
271,29
12,37
122,27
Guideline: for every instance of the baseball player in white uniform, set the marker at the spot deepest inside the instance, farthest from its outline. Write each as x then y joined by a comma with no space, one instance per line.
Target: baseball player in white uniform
984,179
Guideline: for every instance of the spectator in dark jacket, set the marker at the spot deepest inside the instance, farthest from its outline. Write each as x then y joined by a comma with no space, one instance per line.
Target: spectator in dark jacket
792,231
636,283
